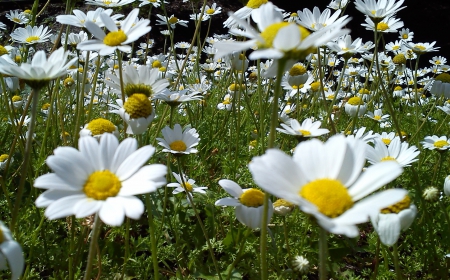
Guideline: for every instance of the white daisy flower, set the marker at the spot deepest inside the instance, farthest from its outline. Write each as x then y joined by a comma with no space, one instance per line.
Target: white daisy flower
248,203
101,177
117,38
436,143
420,48
10,253
186,185
17,17
355,106
31,35
137,112
377,115
377,10
179,142
97,127
172,21
109,3
174,98
79,18
315,20
308,128
326,181
396,151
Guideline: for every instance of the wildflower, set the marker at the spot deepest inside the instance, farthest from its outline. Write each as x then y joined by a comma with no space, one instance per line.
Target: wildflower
346,47
175,98
421,48
315,20
185,185
300,264
325,180
393,219
109,3
405,35
179,142
17,17
446,185
431,194
116,38
244,12
282,207
434,142
154,3
396,151
3,160
377,115
10,253
79,18
380,9
172,21
96,128
248,203
31,35
355,106
17,101
41,70
212,10
387,25
137,112
101,177
308,128
338,4
441,85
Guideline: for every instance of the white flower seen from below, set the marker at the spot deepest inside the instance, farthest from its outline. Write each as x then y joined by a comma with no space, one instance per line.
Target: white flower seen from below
178,141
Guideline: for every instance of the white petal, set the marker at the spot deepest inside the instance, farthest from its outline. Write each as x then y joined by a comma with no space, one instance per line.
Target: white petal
231,187
388,228
50,196
13,253
112,212
133,206
125,149
134,162
87,207
63,207
227,201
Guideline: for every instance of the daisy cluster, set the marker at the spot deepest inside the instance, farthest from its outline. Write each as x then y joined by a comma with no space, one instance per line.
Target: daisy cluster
287,113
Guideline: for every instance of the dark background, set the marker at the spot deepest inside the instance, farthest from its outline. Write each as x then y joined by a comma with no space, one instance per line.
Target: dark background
429,20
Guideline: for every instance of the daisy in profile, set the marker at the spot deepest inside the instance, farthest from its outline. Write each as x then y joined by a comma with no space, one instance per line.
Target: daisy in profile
326,181
31,35
175,98
154,3
396,151
436,143
377,10
79,18
421,48
248,203
178,141
244,12
17,17
172,21
441,86
185,185
116,38
315,20
109,3
101,177
41,70
97,127
355,106
377,115
10,253
308,128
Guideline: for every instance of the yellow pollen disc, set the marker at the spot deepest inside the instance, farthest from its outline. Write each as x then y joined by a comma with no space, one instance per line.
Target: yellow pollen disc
355,101
45,106
399,59
156,64
382,26
68,82
294,15
420,47
210,11
178,146
100,126
31,39
3,50
131,89
373,12
187,186
330,97
138,106
271,32
3,157
162,69
364,91
115,38
116,66
388,158
315,86
440,144
444,77
305,132
254,4
233,87
405,36
18,59
377,118
106,2
283,202
226,101
386,141
173,20
329,195
16,20
399,206
297,70
102,184
252,198
16,98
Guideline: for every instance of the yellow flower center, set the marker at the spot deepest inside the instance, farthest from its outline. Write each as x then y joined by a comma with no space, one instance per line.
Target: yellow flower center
16,98
17,20
297,70
31,39
405,36
107,2
377,118
397,207
420,47
102,184
156,64
294,15
397,88
315,86
115,38
444,77
271,32
3,158
282,202
386,141
364,91
440,144
254,4
162,69
252,198
187,186
438,62
100,126
210,11
138,106
3,50
45,106
131,89
68,82
399,59
382,26
178,146
226,101
355,101
329,195
173,20
305,132
388,158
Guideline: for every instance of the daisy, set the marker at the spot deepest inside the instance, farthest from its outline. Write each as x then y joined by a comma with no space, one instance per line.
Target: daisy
175,98
393,219
96,128
17,17
377,115
185,185
389,24
4,160
179,142
154,3
346,47
325,180
106,44
338,4
172,21
315,20
109,3
248,203
244,12
438,60
441,85
137,112
421,48
355,106
41,70
212,10
31,35
447,186
396,151
10,253
436,143
405,35
101,177
79,18
377,10
308,128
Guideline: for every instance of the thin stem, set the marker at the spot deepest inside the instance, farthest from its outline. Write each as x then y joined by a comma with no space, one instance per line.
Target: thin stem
92,247
151,228
398,271
323,254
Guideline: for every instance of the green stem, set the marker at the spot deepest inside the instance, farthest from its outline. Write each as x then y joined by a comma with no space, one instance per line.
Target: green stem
323,254
398,271
151,227
92,247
